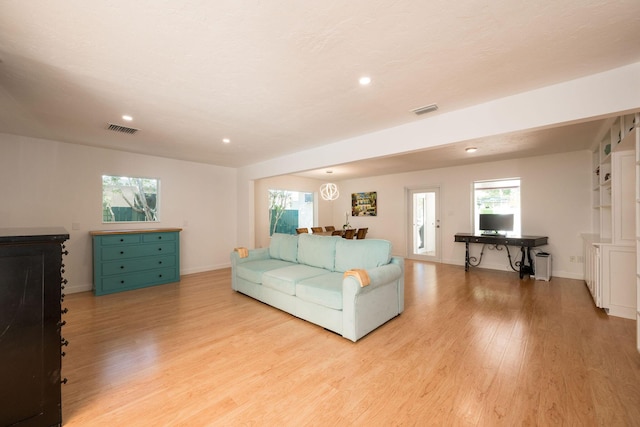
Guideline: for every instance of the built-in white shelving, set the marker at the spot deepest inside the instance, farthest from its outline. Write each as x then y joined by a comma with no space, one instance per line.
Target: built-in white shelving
632,124
611,271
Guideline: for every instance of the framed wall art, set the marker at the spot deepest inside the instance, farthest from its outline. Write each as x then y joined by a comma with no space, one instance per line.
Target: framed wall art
364,204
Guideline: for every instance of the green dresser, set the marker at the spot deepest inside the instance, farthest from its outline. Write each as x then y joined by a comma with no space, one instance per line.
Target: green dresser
132,259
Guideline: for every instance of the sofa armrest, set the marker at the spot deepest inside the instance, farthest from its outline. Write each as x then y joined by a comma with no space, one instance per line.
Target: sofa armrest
367,307
254,254
399,261
378,276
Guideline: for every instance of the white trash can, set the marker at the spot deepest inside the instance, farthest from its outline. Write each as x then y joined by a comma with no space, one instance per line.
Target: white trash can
543,266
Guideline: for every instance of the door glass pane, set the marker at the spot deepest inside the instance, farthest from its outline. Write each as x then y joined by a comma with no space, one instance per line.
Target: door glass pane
425,225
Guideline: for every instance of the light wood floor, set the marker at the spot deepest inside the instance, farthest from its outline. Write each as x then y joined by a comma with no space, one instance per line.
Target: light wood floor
479,348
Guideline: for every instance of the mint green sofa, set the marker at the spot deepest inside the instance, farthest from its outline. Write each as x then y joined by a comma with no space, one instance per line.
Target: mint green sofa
304,276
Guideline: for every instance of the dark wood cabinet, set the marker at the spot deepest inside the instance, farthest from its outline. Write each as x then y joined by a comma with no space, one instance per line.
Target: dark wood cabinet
30,326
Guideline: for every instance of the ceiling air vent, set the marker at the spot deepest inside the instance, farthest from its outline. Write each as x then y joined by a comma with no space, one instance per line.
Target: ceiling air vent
425,109
121,129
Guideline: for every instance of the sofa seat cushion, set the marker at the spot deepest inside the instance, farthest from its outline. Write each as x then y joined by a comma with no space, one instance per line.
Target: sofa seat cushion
253,270
325,290
285,279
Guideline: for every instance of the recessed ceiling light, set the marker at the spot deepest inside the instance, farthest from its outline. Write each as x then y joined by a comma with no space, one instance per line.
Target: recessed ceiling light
365,80
471,149
226,140
127,117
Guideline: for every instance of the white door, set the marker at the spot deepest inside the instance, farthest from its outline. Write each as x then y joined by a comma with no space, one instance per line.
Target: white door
424,224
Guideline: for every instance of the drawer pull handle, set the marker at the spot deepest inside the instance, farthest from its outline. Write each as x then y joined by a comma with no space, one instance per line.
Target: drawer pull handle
121,281
159,249
122,240
159,262
159,275
121,252
159,237
122,267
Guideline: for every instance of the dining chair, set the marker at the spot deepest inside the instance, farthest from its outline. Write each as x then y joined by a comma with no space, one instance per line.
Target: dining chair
361,233
316,229
302,230
336,233
348,234
329,228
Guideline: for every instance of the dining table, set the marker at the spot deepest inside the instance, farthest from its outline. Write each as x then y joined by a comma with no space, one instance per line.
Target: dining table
328,233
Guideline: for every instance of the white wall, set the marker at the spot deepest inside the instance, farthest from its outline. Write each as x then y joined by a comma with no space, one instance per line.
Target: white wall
50,183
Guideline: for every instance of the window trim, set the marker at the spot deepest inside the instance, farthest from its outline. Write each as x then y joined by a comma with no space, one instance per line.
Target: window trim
157,196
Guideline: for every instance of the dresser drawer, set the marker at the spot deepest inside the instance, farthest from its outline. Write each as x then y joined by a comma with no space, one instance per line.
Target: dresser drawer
137,280
119,239
136,251
159,237
132,265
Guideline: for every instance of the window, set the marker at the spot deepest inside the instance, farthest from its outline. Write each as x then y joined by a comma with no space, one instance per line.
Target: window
289,210
498,197
127,199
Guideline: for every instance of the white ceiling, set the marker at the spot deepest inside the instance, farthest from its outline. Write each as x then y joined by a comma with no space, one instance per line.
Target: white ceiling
282,77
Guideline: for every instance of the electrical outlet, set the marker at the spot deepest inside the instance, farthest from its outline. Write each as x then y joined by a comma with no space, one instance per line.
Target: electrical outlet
572,258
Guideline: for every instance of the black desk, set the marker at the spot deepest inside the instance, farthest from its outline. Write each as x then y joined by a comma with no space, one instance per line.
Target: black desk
525,243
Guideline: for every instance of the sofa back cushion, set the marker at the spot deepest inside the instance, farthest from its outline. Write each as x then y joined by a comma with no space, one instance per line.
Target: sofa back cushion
284,247
367,253
317,251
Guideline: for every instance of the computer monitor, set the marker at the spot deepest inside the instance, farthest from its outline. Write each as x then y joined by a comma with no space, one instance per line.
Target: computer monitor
496,223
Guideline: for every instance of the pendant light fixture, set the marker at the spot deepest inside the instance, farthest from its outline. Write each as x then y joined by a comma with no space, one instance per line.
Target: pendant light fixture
329,191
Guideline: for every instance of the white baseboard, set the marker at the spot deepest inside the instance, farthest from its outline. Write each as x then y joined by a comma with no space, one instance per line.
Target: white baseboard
493,266
204,268
74,289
